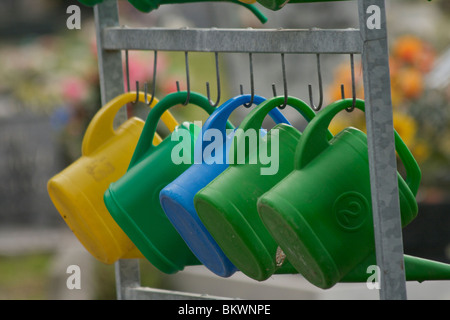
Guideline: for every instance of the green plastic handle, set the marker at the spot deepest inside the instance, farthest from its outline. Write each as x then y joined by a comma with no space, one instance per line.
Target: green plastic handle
278,4
90,3
314,141
256,117
145,142
149,5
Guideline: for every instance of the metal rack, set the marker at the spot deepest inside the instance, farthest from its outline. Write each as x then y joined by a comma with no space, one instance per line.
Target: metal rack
370,40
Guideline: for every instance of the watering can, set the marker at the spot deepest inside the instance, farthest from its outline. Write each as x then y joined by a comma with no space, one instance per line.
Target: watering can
227,205
77,191
177,198
133,200
321,213
150,5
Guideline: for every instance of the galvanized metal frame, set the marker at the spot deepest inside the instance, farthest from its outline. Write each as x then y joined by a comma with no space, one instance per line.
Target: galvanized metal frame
234,40
370,42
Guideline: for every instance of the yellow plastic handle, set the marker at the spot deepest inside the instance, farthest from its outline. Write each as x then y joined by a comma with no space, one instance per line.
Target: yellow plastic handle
247,1
101,127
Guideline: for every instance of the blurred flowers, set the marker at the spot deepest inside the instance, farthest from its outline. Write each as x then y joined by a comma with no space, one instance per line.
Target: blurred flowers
45,72
421,113
57,76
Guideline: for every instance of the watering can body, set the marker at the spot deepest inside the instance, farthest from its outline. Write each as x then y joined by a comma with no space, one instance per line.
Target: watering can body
321,213
77,191
227,205
177,198
133,200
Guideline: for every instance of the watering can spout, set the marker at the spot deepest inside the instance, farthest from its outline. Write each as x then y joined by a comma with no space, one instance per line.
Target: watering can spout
416,269
419,269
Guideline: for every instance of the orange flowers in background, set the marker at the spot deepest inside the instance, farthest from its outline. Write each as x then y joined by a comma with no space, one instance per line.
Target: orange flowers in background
411,59
412,51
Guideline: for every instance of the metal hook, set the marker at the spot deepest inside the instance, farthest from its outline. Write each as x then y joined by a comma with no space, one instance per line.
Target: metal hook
319,75
352,66
129,107
284,84
153,82
128,78
218,83
186,60
127,70
252,86
137,92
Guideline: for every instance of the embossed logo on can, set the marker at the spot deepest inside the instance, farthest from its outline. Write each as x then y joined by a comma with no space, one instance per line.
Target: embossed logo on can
351,210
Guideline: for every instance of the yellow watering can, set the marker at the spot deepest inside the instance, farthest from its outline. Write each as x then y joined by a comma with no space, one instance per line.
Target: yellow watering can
77,191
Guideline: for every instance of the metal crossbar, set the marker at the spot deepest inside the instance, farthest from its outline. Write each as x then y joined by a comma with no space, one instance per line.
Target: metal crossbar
233,40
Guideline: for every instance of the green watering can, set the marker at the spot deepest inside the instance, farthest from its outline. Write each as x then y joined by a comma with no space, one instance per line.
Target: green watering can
321,213
227,205
133,200
150,5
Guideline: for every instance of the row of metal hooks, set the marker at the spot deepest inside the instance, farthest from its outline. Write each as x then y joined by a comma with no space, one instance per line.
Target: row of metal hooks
252,87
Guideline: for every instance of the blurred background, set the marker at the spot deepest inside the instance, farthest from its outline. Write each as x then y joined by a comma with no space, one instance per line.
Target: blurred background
49,91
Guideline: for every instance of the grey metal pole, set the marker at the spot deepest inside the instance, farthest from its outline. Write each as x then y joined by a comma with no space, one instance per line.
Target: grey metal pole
109,61
127,277
234,40
381,148
111,85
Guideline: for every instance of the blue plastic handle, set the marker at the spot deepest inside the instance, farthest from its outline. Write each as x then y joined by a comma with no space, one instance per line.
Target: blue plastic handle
218,120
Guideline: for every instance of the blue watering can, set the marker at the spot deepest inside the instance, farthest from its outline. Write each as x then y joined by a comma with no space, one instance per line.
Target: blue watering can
177,198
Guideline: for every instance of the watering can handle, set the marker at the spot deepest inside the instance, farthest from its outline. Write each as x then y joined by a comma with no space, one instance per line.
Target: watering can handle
314,141
101,127
149,5
145,145
256,117
219,118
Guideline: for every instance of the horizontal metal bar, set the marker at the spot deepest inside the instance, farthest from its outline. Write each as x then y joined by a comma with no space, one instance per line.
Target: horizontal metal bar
234,40
145,293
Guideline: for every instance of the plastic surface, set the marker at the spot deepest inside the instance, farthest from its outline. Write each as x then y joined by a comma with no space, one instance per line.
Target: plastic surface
133,200
150,5
321,213
227,205
416,269
278,4
77,191
90,3
177,198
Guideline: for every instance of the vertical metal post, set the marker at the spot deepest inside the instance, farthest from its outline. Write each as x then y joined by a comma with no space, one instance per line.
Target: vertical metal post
111,85
109,61
127,276
381,147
